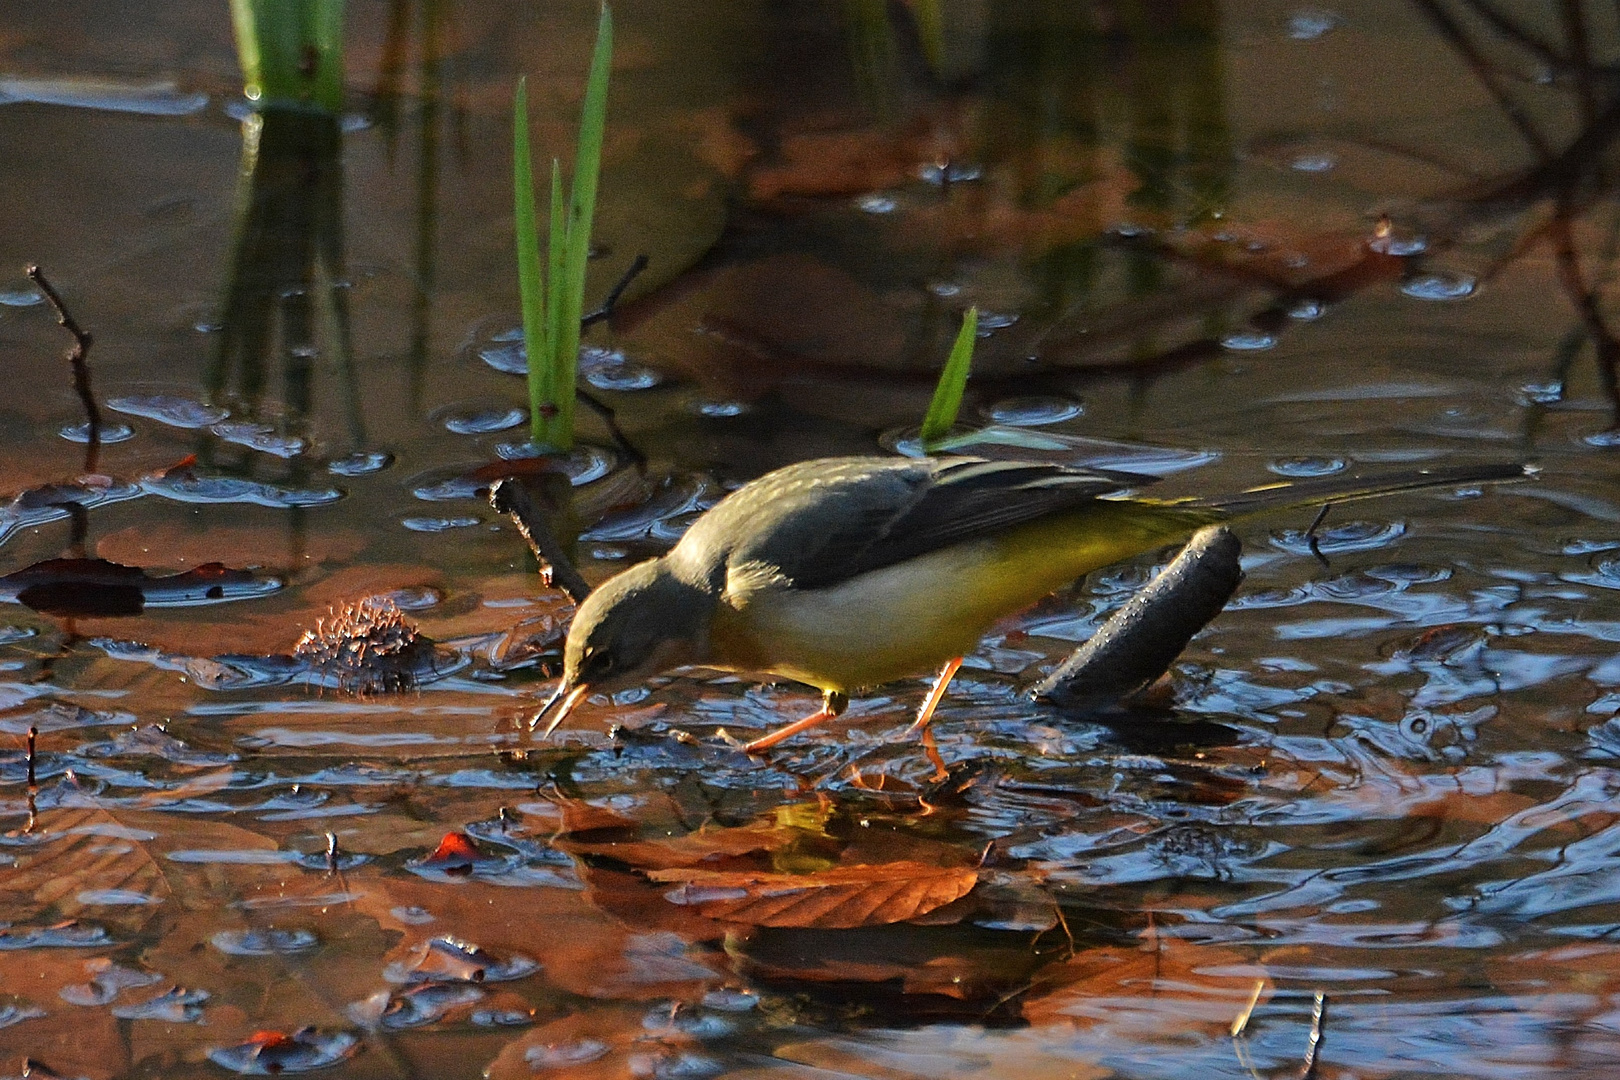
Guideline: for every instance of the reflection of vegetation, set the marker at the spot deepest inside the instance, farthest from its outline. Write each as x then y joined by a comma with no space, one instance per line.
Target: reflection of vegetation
1563,184
386,98
554,298
1077,118
1144,84
286,282
291,52
870,35
286,293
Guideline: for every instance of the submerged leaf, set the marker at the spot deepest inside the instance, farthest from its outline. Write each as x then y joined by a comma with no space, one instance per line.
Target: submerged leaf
693,849
845,896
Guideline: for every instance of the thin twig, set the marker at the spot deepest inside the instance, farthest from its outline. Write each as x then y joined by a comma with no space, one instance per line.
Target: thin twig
605,312
1580,56
1454,35
1057,909
1313,1041
78,357
510,497
33,786
602,314
79,526
1558,175
611,419
63,317
1241,1022
1518,33
1604,341
1315,541
1240,1048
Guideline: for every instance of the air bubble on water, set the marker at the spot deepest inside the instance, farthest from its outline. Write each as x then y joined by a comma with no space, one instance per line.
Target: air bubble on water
167,409
1439,285
1309,24
1541,393
1033,411
113,432
437,524
1248,341
1313,163
582,464
21,297
481,420
261,437
361,463
1307,466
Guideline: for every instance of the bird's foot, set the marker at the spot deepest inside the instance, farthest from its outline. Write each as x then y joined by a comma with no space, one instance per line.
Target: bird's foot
833,703
765,742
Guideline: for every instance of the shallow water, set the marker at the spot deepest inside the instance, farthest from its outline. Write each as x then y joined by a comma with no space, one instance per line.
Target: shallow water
1220,243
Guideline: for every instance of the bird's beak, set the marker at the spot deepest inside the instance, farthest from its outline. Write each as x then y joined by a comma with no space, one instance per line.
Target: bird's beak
568,701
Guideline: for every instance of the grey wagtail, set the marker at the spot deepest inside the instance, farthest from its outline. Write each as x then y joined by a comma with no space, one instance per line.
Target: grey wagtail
854,571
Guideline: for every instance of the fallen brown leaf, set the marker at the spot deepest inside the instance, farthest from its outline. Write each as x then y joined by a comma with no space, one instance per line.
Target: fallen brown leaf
690,850
840,898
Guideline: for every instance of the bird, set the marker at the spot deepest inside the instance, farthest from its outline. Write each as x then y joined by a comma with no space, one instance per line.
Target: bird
848,572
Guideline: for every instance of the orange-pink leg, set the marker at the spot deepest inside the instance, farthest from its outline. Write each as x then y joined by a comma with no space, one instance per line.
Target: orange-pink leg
935,696
833,704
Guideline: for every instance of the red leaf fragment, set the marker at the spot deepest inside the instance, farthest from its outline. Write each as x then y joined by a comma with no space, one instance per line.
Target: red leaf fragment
456,854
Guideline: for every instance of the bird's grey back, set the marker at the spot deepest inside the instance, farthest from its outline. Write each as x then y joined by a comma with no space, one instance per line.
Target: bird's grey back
822,522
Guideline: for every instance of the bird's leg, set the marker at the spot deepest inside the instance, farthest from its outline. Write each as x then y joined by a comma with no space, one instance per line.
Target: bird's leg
833,703
935,695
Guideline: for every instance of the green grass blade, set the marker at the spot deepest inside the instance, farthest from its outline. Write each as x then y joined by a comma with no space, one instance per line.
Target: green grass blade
952,381
559,376
581,212
530,286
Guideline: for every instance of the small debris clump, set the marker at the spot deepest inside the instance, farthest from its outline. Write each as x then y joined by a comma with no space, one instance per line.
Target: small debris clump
368,647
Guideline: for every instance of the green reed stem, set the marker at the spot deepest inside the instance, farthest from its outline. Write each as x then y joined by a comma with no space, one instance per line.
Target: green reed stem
554,300
952,381
291,52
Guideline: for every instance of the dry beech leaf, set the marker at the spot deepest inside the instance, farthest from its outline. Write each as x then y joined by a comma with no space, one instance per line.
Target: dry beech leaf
692,849
840,898
195,788
83,850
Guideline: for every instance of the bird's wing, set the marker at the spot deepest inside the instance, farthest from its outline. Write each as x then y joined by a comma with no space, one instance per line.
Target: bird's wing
823,522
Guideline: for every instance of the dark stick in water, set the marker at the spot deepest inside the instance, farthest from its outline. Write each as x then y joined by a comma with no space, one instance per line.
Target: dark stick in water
1143,638
78,356
510,497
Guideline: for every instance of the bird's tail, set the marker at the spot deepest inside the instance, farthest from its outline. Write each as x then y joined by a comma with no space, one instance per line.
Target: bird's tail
1333,489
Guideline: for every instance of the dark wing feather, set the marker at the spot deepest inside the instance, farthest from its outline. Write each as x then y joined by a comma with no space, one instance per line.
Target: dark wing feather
972,498
823,522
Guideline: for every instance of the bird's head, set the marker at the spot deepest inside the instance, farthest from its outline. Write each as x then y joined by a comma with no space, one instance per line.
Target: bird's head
639,623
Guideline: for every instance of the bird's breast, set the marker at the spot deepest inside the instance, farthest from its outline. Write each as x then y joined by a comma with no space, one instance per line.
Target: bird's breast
906,619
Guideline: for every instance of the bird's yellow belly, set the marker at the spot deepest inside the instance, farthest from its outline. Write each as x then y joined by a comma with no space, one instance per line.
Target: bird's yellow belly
906,619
